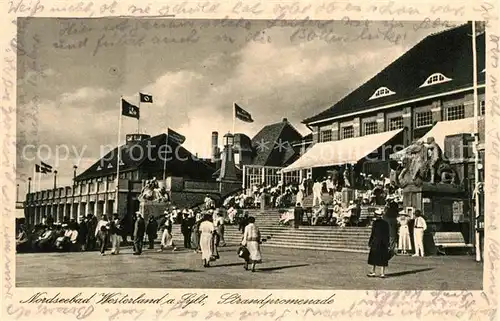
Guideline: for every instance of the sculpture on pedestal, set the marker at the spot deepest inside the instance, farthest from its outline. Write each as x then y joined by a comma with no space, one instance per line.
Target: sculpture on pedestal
434,158
414,165
151,191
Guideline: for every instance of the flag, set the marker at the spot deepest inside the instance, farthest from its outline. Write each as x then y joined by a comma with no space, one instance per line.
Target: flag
40,169
46,168
180,139
129,110
145,98
242,114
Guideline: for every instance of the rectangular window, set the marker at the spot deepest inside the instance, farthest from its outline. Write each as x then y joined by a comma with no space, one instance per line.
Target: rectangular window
325,136
396,123
370,128
482,107
423,119
455,112
347,132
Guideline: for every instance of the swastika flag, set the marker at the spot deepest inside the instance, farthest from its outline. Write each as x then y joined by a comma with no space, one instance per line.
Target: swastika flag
129,110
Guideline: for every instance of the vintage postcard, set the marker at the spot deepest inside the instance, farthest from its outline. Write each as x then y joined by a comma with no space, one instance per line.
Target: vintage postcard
246,160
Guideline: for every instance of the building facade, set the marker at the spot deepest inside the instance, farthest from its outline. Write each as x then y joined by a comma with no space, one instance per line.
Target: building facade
430,83
95,190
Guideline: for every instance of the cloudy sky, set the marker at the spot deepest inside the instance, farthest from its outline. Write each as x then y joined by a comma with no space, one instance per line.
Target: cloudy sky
72,73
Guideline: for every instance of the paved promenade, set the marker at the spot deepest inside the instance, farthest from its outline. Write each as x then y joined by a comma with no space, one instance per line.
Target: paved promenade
281,269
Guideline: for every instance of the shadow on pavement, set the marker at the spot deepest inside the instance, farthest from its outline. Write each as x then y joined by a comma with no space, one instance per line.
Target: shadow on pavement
408,272
277,268
176,270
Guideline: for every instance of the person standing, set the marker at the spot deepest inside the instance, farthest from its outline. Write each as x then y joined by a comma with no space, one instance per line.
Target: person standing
379,245
186,229
317,191
251,240
83,232
404,244
298,214
391,216
418,233
166,237
152,231
116,234
101,233
139,231
219,226
207,230
299,198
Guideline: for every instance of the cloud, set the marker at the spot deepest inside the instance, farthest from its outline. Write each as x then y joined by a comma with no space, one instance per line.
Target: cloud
85,95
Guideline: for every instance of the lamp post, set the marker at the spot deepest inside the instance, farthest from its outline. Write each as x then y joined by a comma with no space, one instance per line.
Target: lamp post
74,173
55,179
29,185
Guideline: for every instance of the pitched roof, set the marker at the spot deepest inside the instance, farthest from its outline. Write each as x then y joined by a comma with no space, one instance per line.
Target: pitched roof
266,144
448,52
148,155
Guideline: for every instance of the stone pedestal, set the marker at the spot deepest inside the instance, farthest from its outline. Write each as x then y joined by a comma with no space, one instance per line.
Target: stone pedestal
348,195
445,208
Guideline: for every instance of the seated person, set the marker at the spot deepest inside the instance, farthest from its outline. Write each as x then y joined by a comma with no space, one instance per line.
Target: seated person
22,240
320,214
45,242
286,217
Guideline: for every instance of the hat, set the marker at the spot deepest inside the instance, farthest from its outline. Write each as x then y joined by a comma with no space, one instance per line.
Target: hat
138,212
402,212
351,202
378,211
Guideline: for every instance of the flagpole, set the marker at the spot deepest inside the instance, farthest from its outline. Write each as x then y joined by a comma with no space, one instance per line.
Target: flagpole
40,181
139,119
234,115
165,159
119,155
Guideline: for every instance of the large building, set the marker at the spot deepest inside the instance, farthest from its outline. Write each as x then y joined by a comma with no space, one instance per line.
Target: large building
94,191
427,91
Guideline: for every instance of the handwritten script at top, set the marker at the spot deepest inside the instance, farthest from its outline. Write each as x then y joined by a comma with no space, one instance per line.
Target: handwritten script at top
136,33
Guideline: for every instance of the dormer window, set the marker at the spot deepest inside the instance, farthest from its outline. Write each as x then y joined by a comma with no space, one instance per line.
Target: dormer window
436,78
382,92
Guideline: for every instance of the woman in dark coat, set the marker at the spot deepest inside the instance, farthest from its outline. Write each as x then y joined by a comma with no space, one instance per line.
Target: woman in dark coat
379,245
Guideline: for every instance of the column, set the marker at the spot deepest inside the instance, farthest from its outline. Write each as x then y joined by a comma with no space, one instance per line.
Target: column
407,118
335,131
436,109
96,212
356,126
315,134
381,122
263,173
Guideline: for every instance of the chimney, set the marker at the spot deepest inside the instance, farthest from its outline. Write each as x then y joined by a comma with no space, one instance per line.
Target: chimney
215,146
285,120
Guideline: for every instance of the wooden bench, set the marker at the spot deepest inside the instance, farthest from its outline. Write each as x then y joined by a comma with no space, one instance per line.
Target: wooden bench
445,240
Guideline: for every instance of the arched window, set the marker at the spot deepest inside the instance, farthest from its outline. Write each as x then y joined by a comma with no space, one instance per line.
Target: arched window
382,92
436,78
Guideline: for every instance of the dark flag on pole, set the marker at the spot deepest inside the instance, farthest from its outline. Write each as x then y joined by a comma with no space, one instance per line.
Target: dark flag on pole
45,168
129,110
40,169
242,114
180,139
145,98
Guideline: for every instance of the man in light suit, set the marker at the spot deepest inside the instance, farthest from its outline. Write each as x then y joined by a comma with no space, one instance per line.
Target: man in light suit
317,191
418,233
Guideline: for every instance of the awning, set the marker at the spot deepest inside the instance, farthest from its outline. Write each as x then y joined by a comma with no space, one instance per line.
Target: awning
441,130
340,152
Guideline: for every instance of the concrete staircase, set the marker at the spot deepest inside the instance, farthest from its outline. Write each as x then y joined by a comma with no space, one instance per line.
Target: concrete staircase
320,238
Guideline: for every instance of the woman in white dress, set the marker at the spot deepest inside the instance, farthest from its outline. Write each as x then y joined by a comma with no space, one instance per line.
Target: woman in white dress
404,243
251,240
207,230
